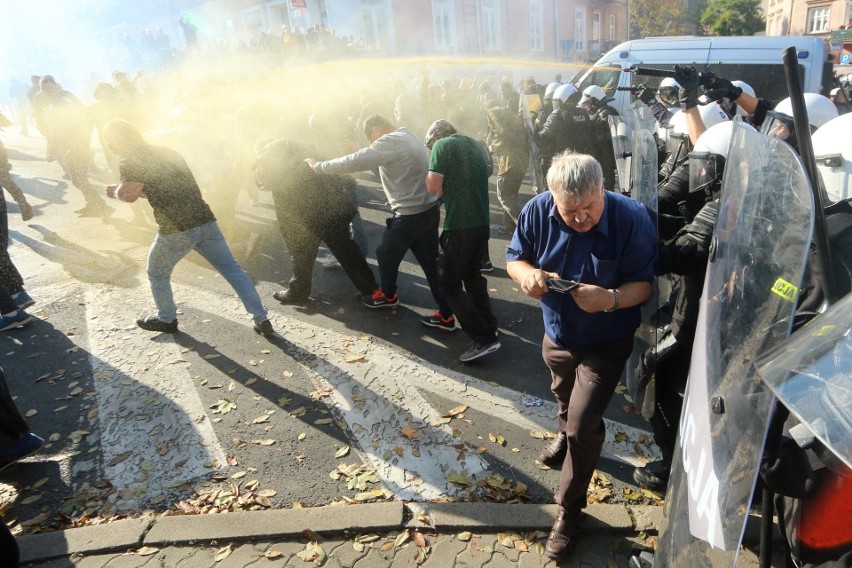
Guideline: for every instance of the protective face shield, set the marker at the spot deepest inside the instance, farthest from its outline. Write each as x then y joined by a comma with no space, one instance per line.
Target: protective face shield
667,92
705,173
833,153
779,121
677,137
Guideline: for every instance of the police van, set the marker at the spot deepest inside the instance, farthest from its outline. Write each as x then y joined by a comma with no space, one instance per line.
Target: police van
757,60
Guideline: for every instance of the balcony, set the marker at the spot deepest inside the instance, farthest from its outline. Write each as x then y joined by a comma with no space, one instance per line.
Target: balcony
841,35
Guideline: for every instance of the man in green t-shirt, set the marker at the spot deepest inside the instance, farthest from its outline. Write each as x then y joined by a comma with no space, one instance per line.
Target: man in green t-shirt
458,172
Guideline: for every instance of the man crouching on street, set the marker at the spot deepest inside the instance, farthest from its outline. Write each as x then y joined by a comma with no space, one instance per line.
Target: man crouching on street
580,232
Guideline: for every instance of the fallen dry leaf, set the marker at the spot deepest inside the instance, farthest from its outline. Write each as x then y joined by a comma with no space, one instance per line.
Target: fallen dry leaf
147,551
455,411
223,553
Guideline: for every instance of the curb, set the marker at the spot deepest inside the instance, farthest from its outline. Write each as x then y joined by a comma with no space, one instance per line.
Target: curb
182,530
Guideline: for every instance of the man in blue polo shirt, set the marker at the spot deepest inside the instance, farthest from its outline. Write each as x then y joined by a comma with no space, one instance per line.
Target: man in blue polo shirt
606,242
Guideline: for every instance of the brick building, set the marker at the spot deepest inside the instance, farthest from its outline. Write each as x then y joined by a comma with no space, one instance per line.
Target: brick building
553,30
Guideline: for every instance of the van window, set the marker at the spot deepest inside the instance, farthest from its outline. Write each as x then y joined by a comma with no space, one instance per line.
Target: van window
604,77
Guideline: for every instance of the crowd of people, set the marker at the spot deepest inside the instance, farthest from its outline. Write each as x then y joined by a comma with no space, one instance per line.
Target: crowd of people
588,253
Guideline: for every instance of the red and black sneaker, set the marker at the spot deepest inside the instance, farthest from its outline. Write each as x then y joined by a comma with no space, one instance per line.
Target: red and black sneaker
438,321
379,300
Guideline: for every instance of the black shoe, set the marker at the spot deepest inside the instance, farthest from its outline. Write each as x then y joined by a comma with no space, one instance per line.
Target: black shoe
264,328
553,455
152,323
486,266
288,299
437,321
560,542
654,475
19,449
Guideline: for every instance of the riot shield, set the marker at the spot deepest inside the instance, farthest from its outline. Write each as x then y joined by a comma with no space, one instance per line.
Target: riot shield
810,374
643,188
621,132
529,105
760,245
643,117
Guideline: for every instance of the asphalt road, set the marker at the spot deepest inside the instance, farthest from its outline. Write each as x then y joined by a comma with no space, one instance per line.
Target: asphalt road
346,403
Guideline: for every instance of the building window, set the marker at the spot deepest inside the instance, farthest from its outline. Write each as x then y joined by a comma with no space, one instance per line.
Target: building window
442,15
376,21
818,20
612,27
596,26
490,24
848,18
536,25
579,29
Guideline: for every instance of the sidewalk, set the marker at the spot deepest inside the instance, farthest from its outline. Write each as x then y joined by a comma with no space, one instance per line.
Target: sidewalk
440,535
385,534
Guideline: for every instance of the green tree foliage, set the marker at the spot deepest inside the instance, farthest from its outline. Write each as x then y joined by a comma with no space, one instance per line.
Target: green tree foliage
733,17
655,18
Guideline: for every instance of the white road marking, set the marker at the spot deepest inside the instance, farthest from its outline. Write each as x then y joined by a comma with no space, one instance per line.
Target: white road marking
378,396
154,431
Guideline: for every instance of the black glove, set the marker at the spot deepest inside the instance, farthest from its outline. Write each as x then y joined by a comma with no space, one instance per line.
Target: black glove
699,232
688,251
717,88
688,79
648,96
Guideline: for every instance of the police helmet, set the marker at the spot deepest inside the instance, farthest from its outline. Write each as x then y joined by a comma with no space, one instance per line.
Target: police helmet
594,92
833,153
551,88
561,94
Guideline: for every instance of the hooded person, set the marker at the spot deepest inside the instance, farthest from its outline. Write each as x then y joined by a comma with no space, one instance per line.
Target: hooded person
311,208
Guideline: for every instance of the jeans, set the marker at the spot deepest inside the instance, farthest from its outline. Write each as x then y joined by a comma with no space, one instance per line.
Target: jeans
207,240
357,231
419,233
583,382
458,266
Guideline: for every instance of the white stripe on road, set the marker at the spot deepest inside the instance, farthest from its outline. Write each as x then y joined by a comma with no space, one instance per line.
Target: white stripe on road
378,397
154,431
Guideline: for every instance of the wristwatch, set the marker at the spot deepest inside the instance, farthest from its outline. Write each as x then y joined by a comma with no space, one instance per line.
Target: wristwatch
616,300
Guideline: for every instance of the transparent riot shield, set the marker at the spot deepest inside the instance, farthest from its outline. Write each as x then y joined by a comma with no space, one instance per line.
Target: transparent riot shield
643,118
760,245
811,373
529,105
638,373
621,132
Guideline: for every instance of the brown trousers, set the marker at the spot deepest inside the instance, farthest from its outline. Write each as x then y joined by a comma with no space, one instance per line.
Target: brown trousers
584,381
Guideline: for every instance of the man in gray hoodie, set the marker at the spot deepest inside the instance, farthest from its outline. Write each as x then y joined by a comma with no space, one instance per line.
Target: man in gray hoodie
403,162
